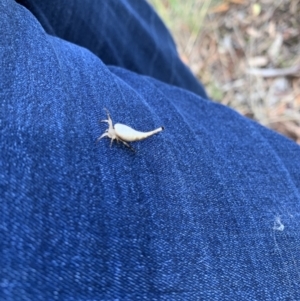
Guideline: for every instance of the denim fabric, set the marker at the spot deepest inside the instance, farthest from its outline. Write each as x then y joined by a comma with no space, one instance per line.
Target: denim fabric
127,34
209,209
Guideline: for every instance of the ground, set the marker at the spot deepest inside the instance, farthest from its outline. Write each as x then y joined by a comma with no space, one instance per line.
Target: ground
246,52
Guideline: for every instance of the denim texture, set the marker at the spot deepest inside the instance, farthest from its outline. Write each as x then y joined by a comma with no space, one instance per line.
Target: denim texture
209,209
127,34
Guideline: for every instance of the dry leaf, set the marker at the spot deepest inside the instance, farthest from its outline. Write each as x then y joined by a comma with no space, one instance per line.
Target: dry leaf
275,48
289,129
272,29
258,61
253,32
238,1
220,8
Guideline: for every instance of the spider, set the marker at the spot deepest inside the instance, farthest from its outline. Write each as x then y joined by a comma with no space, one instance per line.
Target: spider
124,133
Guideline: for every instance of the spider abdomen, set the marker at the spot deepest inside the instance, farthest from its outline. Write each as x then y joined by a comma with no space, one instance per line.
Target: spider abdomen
129,134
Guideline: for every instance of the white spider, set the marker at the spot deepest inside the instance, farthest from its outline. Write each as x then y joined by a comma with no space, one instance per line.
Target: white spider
124,133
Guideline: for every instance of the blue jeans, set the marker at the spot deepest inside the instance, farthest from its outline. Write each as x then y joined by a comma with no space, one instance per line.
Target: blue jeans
209,209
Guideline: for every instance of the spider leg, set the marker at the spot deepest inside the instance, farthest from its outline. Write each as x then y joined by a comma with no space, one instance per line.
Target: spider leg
108,115
109,120
111,141
128,145
103,135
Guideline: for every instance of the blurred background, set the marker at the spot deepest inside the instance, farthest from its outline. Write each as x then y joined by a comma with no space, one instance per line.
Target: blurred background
245,52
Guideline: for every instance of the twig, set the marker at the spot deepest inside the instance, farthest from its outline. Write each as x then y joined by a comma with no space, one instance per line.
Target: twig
265,72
